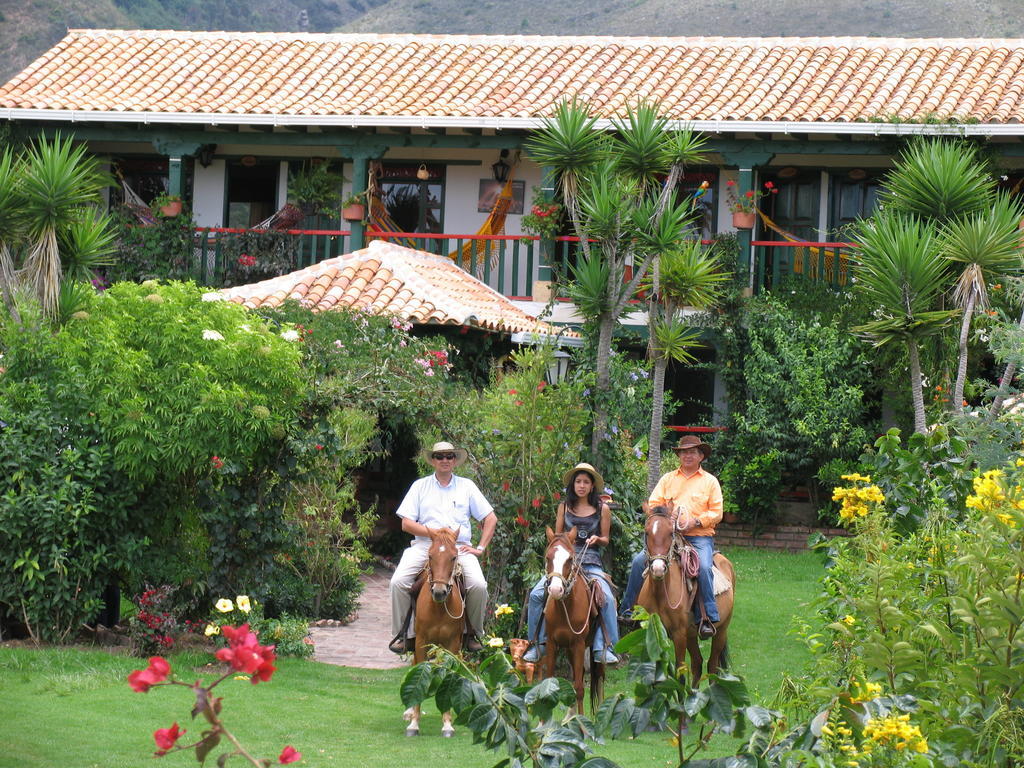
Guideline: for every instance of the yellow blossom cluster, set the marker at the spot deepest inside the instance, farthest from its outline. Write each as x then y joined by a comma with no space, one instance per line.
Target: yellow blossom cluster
503,610
896,732
857,501
865,691
991,495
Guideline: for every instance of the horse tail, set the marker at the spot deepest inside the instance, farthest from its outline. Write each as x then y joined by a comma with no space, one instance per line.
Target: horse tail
596,685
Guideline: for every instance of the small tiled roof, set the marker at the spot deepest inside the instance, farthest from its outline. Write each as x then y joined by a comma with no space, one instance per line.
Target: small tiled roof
492,79
388,279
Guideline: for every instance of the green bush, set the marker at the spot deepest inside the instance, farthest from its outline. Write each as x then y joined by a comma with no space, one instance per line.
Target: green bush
162,250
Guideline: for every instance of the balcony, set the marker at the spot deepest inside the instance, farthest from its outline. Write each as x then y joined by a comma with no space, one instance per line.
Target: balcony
508,263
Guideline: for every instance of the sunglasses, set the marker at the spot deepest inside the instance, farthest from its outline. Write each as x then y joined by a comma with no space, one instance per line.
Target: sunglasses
445,456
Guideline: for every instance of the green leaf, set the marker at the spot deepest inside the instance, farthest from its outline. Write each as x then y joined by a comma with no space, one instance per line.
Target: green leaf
719,706
759,717
696,701
416,684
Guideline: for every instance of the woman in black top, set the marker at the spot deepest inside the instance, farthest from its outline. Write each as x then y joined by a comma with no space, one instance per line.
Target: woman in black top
592,519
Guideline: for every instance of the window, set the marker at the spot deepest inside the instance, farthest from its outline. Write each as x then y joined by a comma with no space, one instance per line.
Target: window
854,196
413,204
251,191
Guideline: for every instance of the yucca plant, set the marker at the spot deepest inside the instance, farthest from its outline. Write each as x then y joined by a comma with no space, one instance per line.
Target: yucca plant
985,245
10,228
85,246
899,270
57,182
691,276
937,180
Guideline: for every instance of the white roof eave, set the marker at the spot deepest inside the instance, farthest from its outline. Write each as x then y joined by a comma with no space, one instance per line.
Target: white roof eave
503,123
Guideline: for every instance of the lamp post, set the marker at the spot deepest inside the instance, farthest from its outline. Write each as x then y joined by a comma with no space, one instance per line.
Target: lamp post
558,367
501,168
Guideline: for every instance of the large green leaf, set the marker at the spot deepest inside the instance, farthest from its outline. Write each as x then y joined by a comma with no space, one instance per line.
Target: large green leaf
416,684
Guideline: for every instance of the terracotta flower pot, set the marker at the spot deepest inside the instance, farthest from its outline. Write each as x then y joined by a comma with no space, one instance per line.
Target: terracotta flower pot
171,209
742,220
354,212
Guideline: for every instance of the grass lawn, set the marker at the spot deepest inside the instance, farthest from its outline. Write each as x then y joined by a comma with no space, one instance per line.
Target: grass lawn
72,707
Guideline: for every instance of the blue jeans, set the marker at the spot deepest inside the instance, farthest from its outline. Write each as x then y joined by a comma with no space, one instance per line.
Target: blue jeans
535,612
705,546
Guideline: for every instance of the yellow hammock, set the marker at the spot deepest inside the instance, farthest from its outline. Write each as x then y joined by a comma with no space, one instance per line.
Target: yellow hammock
812,261
474,252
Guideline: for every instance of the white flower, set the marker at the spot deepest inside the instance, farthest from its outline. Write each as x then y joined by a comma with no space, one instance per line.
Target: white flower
245,327
291,335
212,335
213,296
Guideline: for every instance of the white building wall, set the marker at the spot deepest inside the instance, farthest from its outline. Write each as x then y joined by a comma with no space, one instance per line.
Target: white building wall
208,189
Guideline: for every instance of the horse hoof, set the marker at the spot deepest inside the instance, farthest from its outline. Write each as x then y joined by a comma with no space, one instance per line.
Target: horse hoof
448,732
412,731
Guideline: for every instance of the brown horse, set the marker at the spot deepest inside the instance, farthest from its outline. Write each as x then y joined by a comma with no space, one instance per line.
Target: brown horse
671,595
568,615
439,612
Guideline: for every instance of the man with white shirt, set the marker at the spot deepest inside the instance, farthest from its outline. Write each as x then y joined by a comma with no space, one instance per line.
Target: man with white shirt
442,500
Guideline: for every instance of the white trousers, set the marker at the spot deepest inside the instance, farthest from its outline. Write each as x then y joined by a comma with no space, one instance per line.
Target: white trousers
409,567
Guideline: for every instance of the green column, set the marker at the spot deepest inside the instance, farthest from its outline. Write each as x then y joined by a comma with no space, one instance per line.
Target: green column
745,183
546,253
175,150
747,159
361,154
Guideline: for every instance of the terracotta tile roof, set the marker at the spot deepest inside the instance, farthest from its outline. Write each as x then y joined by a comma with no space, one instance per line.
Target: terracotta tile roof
808,80
388,279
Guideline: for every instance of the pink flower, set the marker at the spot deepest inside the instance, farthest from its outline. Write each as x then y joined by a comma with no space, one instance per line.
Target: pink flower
537,502
246,655
165,738
141,680
519,402
289,755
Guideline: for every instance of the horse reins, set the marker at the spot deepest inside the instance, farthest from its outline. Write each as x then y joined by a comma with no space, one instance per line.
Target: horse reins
431,581
574,571
674,553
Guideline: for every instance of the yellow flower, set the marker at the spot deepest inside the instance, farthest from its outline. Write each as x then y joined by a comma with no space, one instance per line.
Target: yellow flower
848,620
496,642
503,610
242,601
211,630
224,605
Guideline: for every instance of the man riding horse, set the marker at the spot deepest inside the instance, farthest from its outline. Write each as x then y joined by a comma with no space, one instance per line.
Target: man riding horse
695,497
442,500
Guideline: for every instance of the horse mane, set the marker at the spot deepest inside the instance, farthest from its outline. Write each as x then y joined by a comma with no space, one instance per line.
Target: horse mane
660,511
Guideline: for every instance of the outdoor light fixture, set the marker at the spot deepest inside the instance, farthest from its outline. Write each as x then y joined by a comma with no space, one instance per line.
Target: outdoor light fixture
856,174
788,172
558,367
206,154
501,168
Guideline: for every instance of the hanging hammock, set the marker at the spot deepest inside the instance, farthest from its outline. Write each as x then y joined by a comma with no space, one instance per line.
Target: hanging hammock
475,251
813,261
379,219
135,204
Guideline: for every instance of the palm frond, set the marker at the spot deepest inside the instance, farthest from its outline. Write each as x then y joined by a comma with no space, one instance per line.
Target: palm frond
657,234
75,296
589,287
937,179
691,276
639,145
85,246
673,339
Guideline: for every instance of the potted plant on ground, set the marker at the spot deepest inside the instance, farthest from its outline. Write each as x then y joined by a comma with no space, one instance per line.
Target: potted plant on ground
316,189
744,207
168,206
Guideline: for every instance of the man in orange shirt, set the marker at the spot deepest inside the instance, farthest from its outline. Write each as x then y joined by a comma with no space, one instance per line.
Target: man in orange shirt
696,499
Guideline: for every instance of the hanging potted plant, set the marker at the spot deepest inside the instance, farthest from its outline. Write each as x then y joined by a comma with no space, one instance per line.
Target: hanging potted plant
167,206
316,189
744,207
353,207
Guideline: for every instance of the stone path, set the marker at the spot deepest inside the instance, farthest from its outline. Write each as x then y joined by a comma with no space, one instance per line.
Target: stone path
363,642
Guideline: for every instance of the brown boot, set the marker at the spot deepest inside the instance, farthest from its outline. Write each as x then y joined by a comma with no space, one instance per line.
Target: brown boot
471,643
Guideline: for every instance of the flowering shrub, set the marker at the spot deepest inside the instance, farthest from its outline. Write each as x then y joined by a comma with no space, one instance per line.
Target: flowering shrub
243,654
858,499
154,627
747,202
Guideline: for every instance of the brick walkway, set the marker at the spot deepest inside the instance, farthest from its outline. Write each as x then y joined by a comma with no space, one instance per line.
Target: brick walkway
363,642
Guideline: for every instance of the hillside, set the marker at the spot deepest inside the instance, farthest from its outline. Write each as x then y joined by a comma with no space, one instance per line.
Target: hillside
28,29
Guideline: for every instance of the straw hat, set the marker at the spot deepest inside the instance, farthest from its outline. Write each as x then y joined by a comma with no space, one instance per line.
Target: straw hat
690,441
584,467
460,453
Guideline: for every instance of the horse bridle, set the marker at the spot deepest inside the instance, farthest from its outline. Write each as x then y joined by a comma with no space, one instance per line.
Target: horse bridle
575,568
675,554
431,581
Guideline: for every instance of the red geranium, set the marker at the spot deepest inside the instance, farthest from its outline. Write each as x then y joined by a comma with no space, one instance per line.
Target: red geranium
289,755
165,738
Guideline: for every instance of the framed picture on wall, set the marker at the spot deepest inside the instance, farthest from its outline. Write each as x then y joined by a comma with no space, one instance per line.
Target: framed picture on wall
489,191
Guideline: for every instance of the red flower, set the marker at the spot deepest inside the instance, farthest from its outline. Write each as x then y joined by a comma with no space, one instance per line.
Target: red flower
165,738
540,387
519,402
749,193
537,502
520,520
246,655
217,462
548,427
556,496
730,183
512,392
141,680
769,185
319,447
289,755
505,486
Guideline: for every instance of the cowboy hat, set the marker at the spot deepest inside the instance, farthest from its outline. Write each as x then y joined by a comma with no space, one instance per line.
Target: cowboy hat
584,467
460,453
690,441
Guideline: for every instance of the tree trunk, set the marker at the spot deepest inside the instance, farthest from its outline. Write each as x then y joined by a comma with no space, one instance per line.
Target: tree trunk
657,417
916,395
604,349
961,368
1005,382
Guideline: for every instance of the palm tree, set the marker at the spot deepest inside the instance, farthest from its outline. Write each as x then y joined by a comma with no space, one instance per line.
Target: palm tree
899,269
10,229
58,183
987,244
610,186
690,277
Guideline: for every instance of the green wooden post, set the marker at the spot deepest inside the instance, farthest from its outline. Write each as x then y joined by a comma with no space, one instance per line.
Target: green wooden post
175,150
546,253
747,158
361,153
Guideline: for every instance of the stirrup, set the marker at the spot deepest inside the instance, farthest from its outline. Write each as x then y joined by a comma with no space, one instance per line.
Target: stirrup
401,644
706,629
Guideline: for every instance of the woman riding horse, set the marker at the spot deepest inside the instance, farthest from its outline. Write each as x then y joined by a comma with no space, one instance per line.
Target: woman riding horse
584,511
